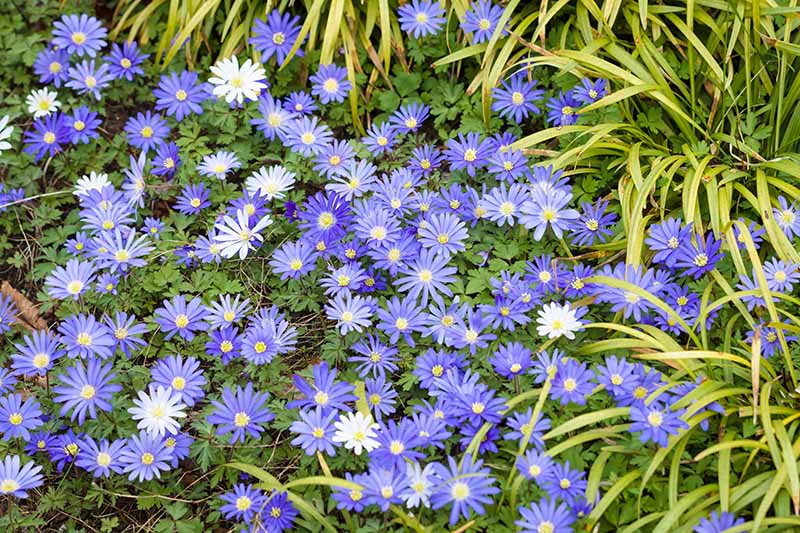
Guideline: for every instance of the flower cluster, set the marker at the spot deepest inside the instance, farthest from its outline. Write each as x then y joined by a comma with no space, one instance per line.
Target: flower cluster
388,252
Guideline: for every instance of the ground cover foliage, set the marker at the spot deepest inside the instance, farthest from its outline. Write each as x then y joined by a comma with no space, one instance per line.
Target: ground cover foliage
345,266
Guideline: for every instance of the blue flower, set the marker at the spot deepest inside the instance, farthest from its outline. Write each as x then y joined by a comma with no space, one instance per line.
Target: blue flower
83,124
380,138
470,152
82,35
177,316
17,480
193,199
52,66
561,110
85,337
444,233
146,130
421,18
781,275
166,160
314,431
656,422
330,84
352,313
543,210
184,376
278,513
588,92
49,135
86,388
276,36
323,392
124,61
7,380
307,136
179,94
545,516
666,238
374,357
18,419
401,318
240,414
433,365
243,503
144,457
101,458
300,102
218,164
122,253
572,382
424,160
37,355
511,360
8,313
481,20
381,397
382,486
593,225
63,449
85,77
427,276
717,522
515,100
615,375
565,483
536,466
509,165
70,281
468,487
225,343
409,117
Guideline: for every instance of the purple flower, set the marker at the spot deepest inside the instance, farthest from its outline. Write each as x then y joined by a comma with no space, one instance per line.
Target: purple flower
561,109
276,36
82,35
330,84
179,94
124,61
49,135
656,422
421,18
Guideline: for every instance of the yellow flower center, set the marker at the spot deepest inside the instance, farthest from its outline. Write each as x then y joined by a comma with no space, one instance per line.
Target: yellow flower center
443,238
517,98
79,125
459,491
275,512
378,233
260,347
426,276
181,321
241,419
90,81
570,384
74,287
7,486
88,392
396,447
125,62
84,339
49,137
225,346
181,95
15,419
382,141
318,432
655,418
401,323
103,459
79,38
178,383
437,370
55,67
330,85
41,360
278,37
321,398
148,458
470,155
243,503
146,132
421,18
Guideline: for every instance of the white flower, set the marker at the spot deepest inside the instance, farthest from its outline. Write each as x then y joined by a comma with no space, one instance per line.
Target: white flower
218,164
42,102
92,182
5,133
237,83
556,320
357,432
420,485
157,411
270,182
235,236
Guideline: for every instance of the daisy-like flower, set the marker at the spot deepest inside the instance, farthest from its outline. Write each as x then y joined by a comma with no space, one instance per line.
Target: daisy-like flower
85,337
193,199
145,456
356,432
420,485
556,320
307,136
93,181
544,515
545,210
481,20
787,217
127,332
427,275
515,99
122,253
781,275
218,164
243,503
100,458
5,133
70,281
293,259
83,124
323,392
18,418
184,377
37,355
234,82
225,312
270,182
696,259
656,421
81,35
717,522
275,118
467,487
177,316
86,388
444,234
421,18
279,513
380,138
535,465
146,130
352,313
382,486
124,61
276,36
241,414
85,77
330,84
300,102
237,236
52,66
157,411
48,136
561,109
42,102
588,92
8,314
16,480
470,152
504,203
166,160
314,431
180,95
